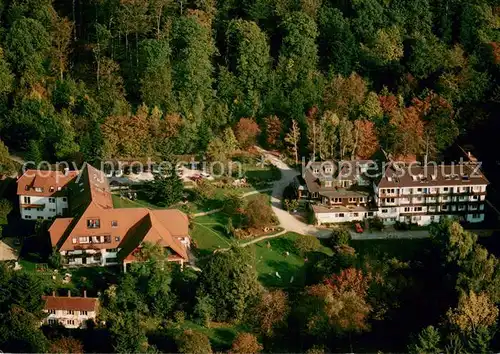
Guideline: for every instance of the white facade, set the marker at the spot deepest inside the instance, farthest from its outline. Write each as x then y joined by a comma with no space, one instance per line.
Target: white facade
69,318
44,208
90,257
424,205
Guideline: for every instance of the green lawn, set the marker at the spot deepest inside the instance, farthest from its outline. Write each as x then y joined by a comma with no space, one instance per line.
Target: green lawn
221,335
94,279
272,260
208,232
119,202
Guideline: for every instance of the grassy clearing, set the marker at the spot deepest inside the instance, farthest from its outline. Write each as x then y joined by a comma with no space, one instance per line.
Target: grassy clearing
92,279
119,202
273,259
221,335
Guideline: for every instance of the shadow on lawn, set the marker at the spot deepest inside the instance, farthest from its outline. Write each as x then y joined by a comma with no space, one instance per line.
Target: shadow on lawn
286,271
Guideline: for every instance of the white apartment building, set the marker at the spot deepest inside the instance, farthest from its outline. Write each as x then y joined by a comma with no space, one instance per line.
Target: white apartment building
43,194
71,312
426,194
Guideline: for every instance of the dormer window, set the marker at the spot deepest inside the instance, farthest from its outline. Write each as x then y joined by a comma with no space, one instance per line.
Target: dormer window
58,188
114,223
93,223
38,189
51,189
26,188
315,171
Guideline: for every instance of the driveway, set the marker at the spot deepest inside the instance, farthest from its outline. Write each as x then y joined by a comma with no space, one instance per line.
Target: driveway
286,220
7,249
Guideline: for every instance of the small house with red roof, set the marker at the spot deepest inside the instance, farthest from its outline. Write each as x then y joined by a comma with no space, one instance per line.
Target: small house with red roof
70,312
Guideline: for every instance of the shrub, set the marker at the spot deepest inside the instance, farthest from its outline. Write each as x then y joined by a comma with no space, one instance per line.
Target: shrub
340,236
258,212
306,243
245,343
193,342
376,223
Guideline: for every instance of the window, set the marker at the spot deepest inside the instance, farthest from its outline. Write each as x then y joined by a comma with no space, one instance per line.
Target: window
352,200
355,214
341,215
315,171
27,209
74,240
418,208
84,313
64,198
27,200
39,209
445,189
461,207
52,312
27,216
52,210
117,238
474,197
83,239
444,208
51,189
70,312
39,217
70,322
52,321
407,209
476,216
112,250
38,189
59,188
419,190
384,211
93,223
370,213
389,200
111,260
114,223
52,200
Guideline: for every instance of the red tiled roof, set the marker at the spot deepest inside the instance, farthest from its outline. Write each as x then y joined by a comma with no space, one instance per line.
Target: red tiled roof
118,225
70,303
49,181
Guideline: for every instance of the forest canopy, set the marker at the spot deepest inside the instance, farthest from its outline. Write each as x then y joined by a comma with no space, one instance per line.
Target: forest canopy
87,80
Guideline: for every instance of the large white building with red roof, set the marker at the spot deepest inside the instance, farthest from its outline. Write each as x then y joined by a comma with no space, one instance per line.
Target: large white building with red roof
94,233
43,194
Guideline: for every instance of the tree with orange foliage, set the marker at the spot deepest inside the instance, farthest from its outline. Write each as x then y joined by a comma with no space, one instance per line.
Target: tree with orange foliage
245,343
66,345
366,141
273,131
340,303
246,132
271,311
409,131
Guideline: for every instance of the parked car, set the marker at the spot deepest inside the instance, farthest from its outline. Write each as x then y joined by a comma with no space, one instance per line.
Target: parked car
358,227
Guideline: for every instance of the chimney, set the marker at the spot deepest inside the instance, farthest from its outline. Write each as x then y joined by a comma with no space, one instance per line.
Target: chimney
69,293
84,293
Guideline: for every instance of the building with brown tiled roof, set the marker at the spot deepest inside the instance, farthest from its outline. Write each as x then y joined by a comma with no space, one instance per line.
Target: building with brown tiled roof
43,194
422,194
98,234
340,191
403,192
70,312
